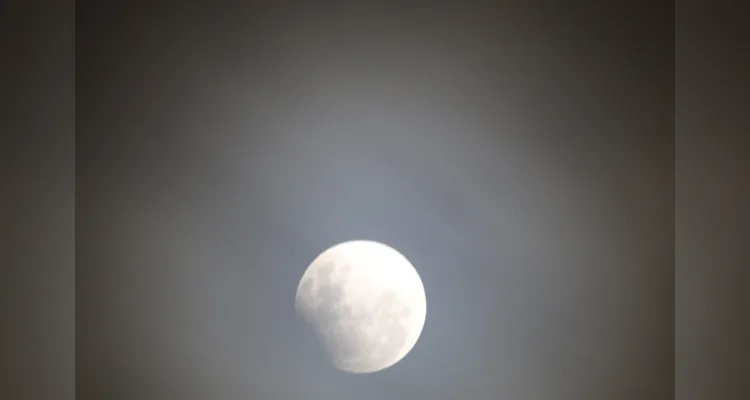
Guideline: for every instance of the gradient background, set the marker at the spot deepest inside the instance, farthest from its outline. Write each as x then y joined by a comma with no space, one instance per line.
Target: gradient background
712,231
521,156
37,220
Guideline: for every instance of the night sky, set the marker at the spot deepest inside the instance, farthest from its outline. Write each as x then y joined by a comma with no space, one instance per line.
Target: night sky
520,155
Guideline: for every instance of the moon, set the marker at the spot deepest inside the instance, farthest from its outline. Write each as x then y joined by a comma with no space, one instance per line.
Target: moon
366,304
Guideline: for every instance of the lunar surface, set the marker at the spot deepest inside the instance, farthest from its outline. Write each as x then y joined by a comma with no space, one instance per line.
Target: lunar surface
365,303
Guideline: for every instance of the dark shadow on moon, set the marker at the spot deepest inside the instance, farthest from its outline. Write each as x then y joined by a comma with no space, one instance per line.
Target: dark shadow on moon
343,330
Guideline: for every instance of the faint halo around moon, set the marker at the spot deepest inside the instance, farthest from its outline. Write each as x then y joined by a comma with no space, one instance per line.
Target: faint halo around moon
366,304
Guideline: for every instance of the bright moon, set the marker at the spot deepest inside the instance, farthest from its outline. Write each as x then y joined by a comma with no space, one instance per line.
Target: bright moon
366,304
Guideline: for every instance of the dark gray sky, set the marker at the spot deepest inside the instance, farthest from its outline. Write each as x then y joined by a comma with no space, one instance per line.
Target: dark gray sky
520,156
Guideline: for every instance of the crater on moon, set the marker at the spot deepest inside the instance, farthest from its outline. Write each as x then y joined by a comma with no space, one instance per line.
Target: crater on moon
366,314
